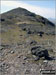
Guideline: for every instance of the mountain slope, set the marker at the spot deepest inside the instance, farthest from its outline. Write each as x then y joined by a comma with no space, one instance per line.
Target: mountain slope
27,40
21,16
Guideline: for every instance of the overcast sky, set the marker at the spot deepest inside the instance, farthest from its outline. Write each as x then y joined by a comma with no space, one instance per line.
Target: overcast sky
44,8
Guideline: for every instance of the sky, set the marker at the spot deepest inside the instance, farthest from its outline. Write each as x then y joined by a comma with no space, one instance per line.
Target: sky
45,8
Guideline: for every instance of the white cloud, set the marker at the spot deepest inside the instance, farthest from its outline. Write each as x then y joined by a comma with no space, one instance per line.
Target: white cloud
46,12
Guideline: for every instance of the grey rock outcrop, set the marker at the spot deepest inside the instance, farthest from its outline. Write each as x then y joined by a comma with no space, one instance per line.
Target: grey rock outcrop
40,52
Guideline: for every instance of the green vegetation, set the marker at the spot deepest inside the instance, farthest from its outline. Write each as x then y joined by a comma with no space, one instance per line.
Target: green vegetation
13,35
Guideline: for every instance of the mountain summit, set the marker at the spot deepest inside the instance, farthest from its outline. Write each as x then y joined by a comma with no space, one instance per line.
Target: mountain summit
20,15
23,14
19,11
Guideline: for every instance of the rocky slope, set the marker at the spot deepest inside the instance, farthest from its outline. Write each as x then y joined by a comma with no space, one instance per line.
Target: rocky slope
27,40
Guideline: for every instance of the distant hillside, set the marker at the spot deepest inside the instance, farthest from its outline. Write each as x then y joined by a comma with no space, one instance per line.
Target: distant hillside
52,20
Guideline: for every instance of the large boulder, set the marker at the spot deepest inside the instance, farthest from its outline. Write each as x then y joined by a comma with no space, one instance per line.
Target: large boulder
40,52
2,20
